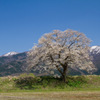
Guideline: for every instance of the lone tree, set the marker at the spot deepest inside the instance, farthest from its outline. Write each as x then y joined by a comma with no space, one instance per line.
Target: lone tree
61,50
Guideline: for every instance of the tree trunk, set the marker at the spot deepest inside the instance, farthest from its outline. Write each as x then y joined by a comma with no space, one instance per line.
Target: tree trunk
64,78
64,73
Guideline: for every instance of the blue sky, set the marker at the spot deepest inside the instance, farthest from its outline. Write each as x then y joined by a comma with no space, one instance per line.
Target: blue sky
23,22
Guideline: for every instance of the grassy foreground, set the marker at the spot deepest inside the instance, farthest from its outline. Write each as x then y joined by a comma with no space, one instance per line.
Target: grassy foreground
46,88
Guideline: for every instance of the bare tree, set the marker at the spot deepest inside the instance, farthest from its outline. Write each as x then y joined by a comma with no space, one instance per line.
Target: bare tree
60,50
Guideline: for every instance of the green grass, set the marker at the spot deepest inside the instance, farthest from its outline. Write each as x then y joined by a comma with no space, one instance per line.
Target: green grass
49,88
25,83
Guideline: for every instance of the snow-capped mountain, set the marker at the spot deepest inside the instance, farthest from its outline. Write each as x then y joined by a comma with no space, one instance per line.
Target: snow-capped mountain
10,54
95,53
95,49
13,63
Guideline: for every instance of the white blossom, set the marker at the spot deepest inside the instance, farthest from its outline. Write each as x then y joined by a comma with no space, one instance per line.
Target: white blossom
60,50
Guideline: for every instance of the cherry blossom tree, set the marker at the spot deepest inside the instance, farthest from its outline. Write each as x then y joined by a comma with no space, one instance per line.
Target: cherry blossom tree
60,50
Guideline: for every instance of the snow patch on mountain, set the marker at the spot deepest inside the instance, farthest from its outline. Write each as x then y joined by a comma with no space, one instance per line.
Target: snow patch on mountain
95,49
10,54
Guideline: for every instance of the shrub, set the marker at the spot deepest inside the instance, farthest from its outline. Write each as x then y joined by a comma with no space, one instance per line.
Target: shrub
76,81
27,81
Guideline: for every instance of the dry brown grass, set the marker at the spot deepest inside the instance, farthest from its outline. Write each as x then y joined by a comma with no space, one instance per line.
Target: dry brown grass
72,95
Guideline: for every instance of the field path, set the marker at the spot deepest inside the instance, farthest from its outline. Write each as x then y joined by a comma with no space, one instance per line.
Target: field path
68,95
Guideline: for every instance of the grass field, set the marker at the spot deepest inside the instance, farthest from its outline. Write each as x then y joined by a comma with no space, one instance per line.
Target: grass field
68,95
77,88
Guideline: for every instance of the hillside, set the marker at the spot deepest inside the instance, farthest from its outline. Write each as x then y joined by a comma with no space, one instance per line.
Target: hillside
15,63
95,52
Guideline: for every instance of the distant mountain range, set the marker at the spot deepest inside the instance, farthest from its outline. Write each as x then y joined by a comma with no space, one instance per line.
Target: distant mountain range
10,54
14,63
95,52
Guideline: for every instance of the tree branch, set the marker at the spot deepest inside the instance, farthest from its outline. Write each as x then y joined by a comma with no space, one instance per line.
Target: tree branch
59,70
73,42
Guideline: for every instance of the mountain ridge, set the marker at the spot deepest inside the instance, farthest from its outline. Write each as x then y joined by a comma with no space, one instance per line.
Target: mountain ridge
95,49
15,63
10,53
